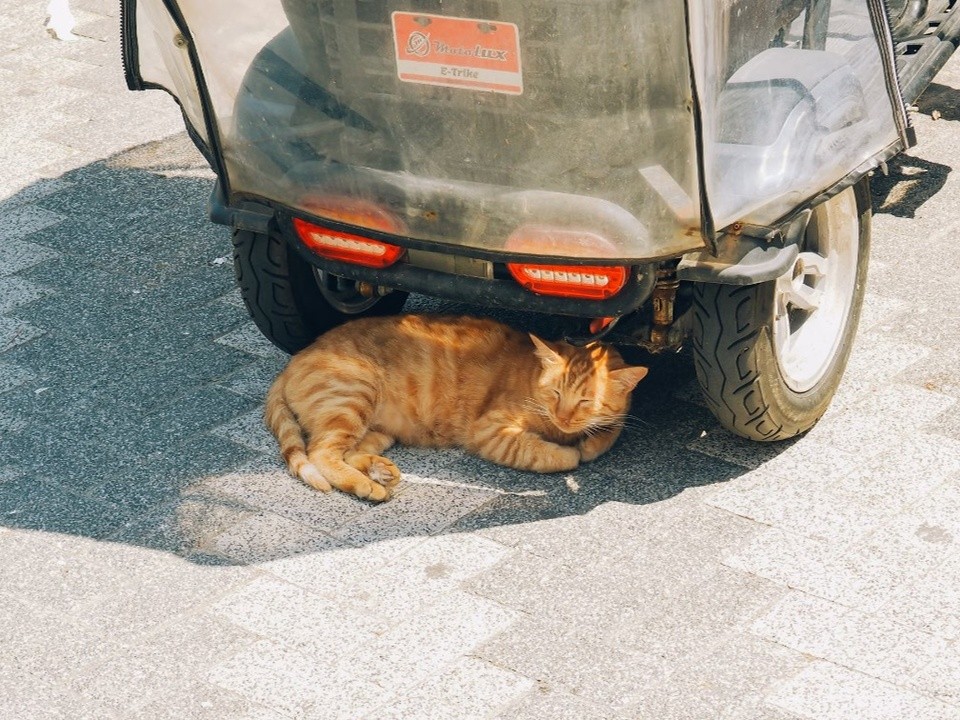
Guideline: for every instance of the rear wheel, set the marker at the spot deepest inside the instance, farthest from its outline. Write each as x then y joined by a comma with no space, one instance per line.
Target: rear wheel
291,301
769,357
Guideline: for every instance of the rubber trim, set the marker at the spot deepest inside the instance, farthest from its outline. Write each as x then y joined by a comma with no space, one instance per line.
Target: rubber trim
215,156
129,49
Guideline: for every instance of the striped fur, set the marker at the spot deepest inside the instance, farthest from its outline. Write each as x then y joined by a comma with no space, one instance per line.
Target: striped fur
440,381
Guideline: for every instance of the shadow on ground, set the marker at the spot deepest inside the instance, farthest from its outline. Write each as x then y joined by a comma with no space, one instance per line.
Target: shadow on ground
941,99
910,182
110,416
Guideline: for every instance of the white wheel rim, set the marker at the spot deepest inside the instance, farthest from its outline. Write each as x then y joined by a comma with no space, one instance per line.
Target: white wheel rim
812,300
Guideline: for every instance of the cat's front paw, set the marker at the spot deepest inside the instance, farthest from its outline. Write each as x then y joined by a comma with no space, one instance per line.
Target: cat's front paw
593,446
560,459
590,449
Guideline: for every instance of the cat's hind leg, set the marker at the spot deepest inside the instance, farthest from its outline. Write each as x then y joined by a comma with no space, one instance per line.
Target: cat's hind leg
284,425
366,458
329,450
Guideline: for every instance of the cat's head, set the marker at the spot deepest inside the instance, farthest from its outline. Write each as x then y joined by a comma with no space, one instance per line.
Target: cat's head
580,388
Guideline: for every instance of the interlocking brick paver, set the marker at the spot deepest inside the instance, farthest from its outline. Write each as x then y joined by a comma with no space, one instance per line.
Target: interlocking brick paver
832,692
852,639
294,684
569,659
158,561
470,689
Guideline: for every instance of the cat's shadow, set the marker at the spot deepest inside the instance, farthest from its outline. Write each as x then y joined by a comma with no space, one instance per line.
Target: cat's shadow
132,379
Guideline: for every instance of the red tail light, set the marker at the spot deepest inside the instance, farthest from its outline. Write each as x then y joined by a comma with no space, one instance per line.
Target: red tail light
575,281
350,247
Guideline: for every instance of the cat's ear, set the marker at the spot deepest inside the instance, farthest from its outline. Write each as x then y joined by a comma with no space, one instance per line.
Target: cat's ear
548,356
628,377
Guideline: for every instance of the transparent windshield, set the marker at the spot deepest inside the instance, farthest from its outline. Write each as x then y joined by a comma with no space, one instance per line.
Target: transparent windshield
508,125
794,98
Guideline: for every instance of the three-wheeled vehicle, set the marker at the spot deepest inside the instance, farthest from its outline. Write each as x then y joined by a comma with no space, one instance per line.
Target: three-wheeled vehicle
649,172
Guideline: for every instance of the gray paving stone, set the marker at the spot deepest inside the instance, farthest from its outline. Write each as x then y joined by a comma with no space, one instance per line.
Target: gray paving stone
295,685
143,483
162,666
865,574
420,510
722,444
334,567
868,433
727,680
565,658
939,509
546,703
470,689
446,627
11,423
199,700
676,626
416,579
827,692
264,536
255,379
27,657
42,697
304,621
19,222
877,356
37,189
842,509
101,595
265,485
15,332
184,527
249,430
31,503
626,606
880,310
37,154
940,678
932,603
912,406
849,638
16,291
249,340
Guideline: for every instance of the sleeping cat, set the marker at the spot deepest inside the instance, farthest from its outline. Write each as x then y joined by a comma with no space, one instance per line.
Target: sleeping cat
437,381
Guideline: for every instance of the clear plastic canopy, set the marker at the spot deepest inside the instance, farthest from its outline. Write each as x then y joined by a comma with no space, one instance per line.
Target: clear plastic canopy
606,129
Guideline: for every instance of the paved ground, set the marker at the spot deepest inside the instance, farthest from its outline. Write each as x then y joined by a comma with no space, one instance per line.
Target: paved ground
156,562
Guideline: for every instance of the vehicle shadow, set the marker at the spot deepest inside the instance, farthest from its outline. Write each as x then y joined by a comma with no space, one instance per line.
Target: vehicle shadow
910,182
942,99
131,382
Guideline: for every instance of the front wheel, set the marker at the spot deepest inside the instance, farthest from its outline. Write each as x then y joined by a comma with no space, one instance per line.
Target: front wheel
291,301
769,357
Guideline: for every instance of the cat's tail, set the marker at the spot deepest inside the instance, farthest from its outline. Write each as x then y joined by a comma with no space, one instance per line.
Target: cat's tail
283,424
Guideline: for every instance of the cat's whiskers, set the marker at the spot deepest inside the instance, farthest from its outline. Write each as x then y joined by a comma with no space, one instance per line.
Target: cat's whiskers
536,408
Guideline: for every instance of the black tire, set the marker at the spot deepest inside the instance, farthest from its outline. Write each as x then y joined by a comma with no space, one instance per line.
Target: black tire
283,296
736,356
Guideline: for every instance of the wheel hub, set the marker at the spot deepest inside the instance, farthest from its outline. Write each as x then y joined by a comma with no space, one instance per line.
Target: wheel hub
812,300
343,294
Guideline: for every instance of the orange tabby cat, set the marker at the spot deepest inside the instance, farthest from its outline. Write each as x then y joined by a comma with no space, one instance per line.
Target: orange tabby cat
443,381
